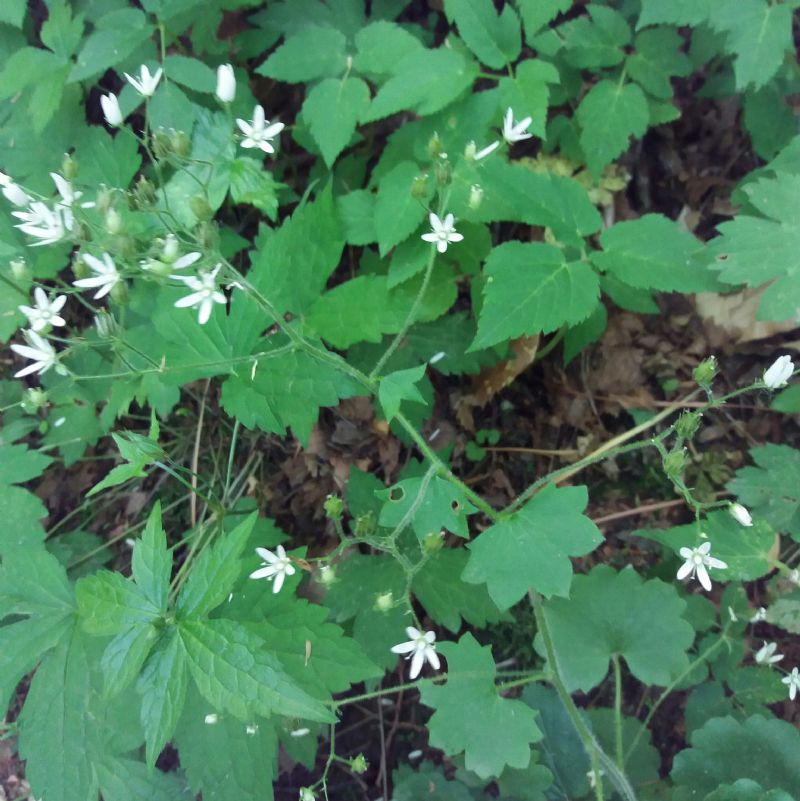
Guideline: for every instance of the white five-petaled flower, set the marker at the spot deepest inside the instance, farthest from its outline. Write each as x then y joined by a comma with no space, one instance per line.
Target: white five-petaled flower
146,83
779,373
39,350
111,110
226,83
766,654
740,514
275,566
793,682
45,312
42,223
698,561
205,294
105,275
421,647
259,132
443,232
515,132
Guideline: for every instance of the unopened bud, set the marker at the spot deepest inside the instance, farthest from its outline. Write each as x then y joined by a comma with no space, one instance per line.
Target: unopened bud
33,400
170,249
384,602
144,193
359,764
119,293
201,208
470,150
19,269
327,575
79,267
475,196
434,146
674,464
113,221
69,167
687,424
181,144
433,542
444,171
307,794
211,719
705,371
333,507
419,187
105,325
162,144
104,199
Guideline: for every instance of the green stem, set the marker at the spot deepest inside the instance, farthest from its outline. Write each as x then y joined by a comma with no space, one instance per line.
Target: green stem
619,749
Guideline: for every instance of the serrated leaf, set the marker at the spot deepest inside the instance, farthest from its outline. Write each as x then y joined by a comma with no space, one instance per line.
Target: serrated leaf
656,58
189,72
471,716
674,12
494,39
531,548
234,673
756,685
332,108
528,93
616,614
448,600
755,250
724,750
399,386
20,512
357,214
381,45
609,115
654,253
531,288
398,212
19,464
35,582
129,780
162,685
12,12
537,13
124,656
118,474
214,573
428,782
596,40
151,563
423,82
313,52
108,603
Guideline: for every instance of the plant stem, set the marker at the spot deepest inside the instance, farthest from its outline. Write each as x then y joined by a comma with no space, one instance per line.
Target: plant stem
620,753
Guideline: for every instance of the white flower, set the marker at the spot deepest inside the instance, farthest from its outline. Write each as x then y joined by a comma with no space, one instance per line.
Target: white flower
259,132
45,312
759,615
5,180
443,232
105,277
43,223
515,132
793,681
740,514
779,372
766,654
251,729
211,719
299,732
40,350
275,566
15,194
794,576
471,152
307,794
697,563
111,110
68,194
146,84
590,775
420,647
169,254
205,293
226,83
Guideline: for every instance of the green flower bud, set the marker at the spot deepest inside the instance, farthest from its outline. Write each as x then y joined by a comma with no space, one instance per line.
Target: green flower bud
434,146
419,187
705,371
79,267
69,167
200,208
384,602
475,196
33,400
162,144
674,464
327,575
359,764
105,325
333,507
144,194
119,293
104,199
19,269
433,542
687,424
113,221
364,525
444,171
181,144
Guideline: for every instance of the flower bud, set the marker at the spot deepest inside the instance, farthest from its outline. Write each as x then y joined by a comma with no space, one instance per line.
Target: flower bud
327,575
384,602
419,187
104,200
364,526
162,144
674,463
333,507
740,514
111,110
475,197
470,151
307,794
359,764
170,249
19,269
105,325
208,237
69,167
226,83
433,542
705,371
201,208
113,221
687,424
181,144
144,194
211,719
79,267
119,293
444,171
33,400
434,146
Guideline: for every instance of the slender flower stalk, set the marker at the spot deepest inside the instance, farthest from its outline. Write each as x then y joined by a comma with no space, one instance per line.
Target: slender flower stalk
45,312
443,232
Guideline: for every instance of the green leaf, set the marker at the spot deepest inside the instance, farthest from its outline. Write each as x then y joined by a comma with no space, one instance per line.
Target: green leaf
447,600
33,581
754,685
724,750
313,52
654,253
214,573
60,31
27,67
116,476
381,45
494,39
537,13
428,782
162,686
357,214
528,93
758,35
471,716
585,333
745,550
250,183
108,603
399,386
423,82
19,464
531,548
104,159
222,761
332,108
609,115
124,656
768,489
286,391
530,288
12,12
151,562
294,264
755,250
190,72
656,58
398,212
674,12
612,614
20,512
129,780
596,42
234,673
